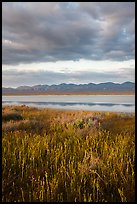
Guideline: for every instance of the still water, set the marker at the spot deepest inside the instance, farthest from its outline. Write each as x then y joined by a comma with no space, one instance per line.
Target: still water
116,103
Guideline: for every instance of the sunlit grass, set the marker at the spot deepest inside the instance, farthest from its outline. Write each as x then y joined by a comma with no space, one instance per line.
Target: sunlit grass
76,156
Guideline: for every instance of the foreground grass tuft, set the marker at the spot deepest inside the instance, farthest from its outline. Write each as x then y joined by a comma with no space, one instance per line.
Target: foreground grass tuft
67,156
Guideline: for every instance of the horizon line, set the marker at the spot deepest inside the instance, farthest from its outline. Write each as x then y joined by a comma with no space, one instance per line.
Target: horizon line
68,84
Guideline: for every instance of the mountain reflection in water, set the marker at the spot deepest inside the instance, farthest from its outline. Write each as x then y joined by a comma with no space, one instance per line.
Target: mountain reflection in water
116,103
65,104
123,107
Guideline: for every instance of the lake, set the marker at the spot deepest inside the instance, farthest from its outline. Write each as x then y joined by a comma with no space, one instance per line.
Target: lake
114,103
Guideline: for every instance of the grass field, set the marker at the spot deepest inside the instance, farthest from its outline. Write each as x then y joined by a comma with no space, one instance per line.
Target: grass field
59,156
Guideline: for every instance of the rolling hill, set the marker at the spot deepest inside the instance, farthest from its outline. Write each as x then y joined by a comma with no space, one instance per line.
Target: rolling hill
73,88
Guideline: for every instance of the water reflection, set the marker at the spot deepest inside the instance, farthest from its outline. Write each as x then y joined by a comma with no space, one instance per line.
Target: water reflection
64,103
123,107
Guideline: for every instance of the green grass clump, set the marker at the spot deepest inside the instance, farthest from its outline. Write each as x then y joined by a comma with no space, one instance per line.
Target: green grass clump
68,156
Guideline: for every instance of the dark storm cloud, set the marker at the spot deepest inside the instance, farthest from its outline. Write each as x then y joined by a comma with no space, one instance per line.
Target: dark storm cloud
52,31
30,78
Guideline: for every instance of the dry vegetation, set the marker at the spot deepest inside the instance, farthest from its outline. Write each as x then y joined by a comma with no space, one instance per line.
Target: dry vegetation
76,156
71,93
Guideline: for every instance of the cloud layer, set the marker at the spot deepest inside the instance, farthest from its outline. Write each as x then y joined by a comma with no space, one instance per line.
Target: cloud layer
53,31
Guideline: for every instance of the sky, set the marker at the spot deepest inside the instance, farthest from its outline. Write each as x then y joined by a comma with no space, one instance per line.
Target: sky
67,42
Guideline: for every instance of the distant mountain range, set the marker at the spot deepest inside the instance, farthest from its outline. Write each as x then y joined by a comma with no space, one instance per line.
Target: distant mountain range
73,88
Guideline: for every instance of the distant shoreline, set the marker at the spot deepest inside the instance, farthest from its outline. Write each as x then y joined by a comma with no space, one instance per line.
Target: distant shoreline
68,93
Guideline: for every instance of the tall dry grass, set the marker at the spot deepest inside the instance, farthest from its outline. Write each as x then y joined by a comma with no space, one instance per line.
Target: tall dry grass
68,156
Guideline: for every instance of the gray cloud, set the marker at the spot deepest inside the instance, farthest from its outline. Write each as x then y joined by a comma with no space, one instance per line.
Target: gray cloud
49,77
52,31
